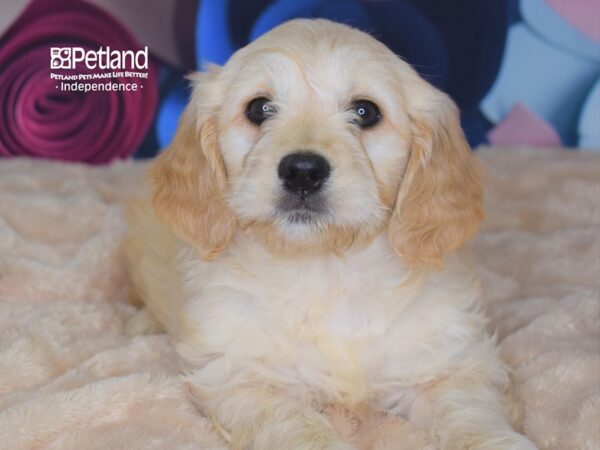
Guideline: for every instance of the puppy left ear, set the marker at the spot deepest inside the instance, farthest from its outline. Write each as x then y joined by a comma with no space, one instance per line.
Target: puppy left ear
189,179
440,201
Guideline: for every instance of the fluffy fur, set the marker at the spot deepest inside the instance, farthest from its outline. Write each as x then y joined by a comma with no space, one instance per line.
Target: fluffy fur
368,304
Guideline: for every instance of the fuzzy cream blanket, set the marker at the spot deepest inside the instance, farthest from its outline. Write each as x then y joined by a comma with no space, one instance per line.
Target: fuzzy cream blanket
70,378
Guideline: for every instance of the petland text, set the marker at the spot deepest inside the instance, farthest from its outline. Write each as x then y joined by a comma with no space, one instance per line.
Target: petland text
104,58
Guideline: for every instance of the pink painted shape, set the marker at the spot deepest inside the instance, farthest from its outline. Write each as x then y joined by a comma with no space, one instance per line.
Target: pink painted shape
523,127
582,14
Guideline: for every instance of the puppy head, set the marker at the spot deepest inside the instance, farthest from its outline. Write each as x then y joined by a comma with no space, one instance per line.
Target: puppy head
315,137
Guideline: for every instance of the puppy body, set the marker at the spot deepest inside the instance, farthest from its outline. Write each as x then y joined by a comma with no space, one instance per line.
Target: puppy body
362,330
334,328
276,317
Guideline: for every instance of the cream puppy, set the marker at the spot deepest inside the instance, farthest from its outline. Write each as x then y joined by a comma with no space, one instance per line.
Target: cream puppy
301,248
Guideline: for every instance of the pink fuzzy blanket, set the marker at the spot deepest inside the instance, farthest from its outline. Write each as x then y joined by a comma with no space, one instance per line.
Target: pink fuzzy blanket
70,378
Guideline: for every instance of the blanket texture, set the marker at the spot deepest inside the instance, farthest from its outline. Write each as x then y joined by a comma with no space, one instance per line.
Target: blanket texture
70,378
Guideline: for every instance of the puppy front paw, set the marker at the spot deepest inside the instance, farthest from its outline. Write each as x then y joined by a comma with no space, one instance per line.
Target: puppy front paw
505,441
308,439
341,445
519,442
513,441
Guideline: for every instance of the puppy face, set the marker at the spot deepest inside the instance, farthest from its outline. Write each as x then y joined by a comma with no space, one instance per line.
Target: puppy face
315,137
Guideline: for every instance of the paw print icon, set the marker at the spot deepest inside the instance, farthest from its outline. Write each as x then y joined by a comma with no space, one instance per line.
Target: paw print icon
60,58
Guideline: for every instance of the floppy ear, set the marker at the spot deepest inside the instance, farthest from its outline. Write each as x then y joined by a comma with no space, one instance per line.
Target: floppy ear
189,182
440,201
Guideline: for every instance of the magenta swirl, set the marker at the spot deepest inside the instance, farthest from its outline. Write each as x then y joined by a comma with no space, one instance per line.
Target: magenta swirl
41,120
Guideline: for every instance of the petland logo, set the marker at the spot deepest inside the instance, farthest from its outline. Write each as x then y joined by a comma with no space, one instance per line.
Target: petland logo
124,69
103,58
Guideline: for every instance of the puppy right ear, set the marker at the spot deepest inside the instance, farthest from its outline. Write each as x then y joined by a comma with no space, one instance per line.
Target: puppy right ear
189,183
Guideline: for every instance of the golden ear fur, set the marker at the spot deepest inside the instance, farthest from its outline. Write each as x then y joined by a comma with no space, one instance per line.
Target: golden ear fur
440,201
189,183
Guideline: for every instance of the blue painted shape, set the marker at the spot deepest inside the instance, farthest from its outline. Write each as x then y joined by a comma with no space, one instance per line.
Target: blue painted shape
549,81
589,122
552,27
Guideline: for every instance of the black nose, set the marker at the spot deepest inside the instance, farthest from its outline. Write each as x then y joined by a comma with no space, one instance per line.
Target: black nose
303,173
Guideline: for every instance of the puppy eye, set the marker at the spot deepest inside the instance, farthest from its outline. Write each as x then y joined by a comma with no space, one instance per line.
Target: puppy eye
367,112
259,110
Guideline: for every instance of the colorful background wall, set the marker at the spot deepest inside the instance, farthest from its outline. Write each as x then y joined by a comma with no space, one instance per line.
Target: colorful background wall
521,71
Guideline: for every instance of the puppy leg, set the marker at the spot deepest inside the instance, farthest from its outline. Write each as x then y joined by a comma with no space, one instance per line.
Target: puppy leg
150,250
467,413
260,418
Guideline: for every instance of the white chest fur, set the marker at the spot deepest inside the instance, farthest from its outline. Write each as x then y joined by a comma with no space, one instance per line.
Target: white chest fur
347,329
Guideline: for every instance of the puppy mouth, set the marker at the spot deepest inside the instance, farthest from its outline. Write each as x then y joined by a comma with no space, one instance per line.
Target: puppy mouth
301,209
